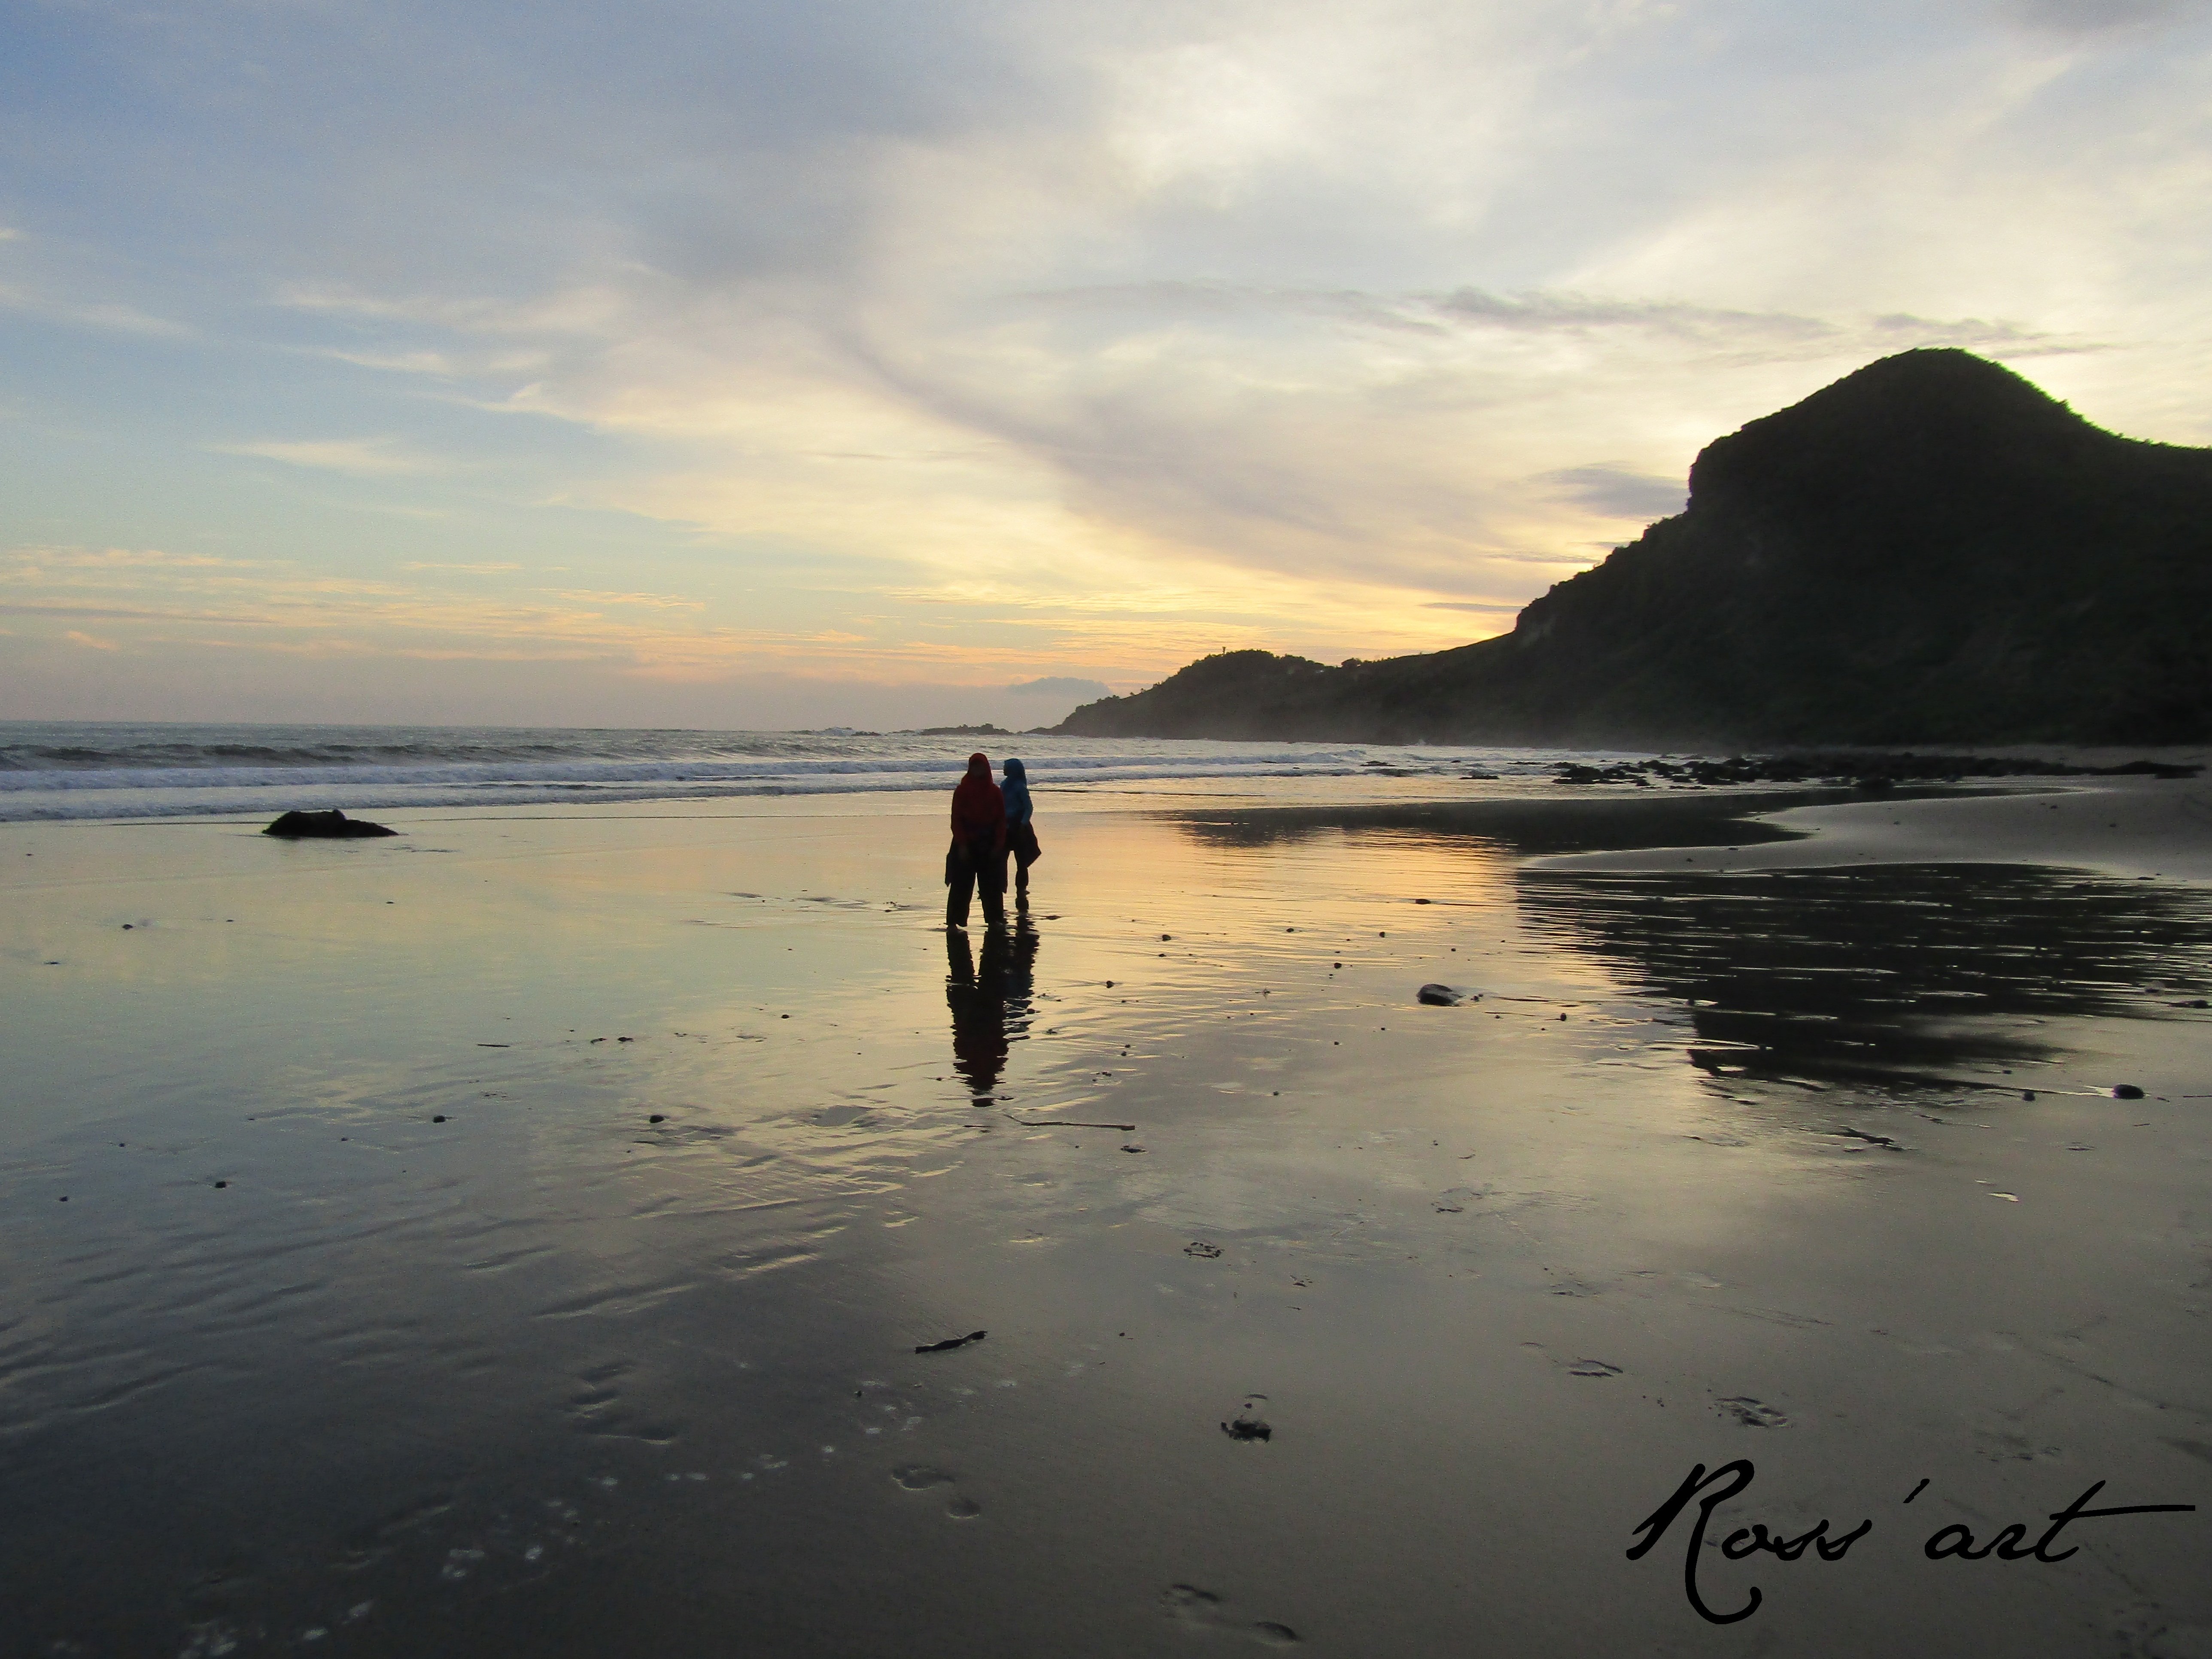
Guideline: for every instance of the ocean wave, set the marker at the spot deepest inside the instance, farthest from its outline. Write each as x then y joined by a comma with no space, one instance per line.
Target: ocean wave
113,772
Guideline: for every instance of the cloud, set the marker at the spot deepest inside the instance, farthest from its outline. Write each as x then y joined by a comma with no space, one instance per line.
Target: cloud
2096,16
277,609
364,457
654,601
107,316
21,563
963,338
1618,493
1783,333
1061,686
438,363
90,642
1566,312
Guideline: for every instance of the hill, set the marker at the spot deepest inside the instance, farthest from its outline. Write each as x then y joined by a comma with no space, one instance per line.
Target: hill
1931,549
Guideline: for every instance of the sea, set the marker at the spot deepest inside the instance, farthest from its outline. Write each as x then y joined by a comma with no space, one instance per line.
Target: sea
106,770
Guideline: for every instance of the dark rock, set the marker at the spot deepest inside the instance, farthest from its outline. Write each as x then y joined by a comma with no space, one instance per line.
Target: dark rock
658,1117
1199,1248
333,825
950,1343
1246,1427
438,1118
2149,768
2126,1091
1869,772
1439,996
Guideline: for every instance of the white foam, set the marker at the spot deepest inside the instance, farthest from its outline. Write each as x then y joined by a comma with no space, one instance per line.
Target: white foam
85,771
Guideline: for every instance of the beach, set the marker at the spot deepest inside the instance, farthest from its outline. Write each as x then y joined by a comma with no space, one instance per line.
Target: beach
524,1234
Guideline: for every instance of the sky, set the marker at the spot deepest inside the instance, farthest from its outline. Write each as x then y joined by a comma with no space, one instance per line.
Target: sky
889,362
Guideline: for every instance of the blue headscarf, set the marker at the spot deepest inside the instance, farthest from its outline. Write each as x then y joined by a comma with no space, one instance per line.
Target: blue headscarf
1017,791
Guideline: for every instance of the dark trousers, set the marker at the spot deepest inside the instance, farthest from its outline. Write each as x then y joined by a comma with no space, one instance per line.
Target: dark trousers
979,868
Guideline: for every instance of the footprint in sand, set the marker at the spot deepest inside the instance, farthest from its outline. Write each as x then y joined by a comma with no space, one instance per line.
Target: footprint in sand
1573,1367
1186,1604
921,1477
1752,1414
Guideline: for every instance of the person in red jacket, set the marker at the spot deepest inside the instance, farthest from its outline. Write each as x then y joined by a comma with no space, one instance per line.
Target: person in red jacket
977,861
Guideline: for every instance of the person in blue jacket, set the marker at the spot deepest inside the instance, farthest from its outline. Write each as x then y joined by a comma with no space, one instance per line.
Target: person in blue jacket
1021,831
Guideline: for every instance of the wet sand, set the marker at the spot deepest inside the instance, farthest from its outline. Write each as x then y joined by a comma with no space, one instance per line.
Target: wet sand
400,1305
2134,827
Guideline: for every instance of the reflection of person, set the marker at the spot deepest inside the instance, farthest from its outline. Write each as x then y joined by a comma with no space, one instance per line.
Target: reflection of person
990,1006
977,862
1021,833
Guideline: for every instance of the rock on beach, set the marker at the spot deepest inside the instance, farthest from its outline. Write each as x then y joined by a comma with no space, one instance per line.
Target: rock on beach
333,825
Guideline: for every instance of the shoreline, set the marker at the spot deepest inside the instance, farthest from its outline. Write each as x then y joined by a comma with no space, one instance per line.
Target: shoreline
119,773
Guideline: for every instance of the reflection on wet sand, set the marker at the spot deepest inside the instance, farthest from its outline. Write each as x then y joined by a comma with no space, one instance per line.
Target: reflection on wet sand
1509,826
539,1264
990,1000
1878,972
